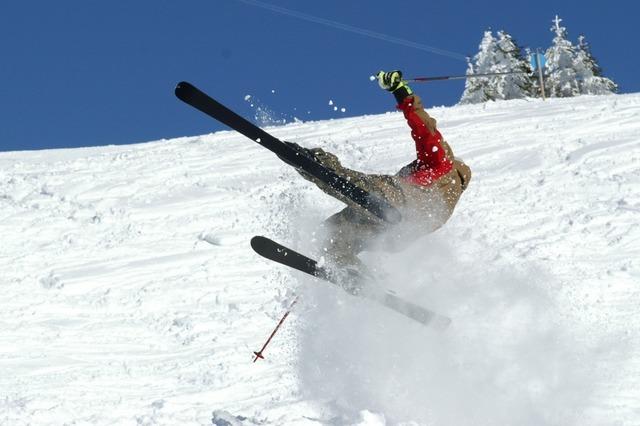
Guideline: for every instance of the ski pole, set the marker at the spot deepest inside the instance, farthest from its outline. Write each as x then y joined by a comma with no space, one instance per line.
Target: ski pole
461,77
273,333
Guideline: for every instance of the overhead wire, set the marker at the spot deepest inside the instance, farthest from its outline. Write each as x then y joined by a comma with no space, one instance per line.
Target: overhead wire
352,29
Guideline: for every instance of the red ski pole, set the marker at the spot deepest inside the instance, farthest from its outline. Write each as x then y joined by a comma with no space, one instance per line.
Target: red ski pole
273,333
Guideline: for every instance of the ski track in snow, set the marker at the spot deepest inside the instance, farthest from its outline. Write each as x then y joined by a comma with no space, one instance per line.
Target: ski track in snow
130,294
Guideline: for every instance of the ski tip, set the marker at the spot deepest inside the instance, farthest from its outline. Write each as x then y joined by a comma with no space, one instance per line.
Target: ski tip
181,87
257,240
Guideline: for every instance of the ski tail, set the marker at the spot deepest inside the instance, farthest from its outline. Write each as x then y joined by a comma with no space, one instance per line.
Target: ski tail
193,96
271,250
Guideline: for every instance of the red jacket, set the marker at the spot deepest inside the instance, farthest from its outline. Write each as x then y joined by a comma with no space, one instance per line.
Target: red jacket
432,162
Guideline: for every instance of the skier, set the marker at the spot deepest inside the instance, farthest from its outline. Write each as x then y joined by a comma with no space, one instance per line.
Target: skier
425,191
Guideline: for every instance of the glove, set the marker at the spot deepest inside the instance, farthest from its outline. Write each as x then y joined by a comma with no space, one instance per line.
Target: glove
392,82
389,80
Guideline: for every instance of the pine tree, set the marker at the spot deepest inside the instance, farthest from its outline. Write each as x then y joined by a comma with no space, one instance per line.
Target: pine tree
589,74
497,55
478,90
517,85
561,80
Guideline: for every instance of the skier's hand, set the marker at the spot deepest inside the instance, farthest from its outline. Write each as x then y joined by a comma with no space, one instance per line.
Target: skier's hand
390,80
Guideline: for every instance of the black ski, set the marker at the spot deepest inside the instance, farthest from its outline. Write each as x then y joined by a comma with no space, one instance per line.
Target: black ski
271,250
372,203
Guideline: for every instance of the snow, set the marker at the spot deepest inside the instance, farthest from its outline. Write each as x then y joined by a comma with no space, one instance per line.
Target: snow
498,55
335,107
131,295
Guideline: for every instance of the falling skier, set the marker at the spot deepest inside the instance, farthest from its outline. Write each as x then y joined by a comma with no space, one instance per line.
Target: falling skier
421,196
425,191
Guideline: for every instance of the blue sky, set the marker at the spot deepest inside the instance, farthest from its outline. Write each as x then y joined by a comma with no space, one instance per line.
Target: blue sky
84,73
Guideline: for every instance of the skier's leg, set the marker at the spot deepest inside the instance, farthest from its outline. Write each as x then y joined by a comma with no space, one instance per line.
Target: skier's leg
345,234
383,185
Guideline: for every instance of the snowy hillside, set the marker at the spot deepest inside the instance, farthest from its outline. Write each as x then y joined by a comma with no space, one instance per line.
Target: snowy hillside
130,295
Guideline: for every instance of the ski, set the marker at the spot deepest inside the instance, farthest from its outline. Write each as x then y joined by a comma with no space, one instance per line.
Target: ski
372,203
276,252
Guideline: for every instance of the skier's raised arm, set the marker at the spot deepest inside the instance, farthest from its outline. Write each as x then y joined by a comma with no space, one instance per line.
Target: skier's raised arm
434,158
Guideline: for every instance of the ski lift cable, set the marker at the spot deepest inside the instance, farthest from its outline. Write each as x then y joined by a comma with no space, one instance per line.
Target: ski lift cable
356,30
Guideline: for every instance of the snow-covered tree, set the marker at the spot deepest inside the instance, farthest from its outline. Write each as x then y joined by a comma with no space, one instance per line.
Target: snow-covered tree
497,55
516,85
478,90
589,74
561,78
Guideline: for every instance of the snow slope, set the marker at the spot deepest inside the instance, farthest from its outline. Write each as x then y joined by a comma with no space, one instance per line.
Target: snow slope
130,294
